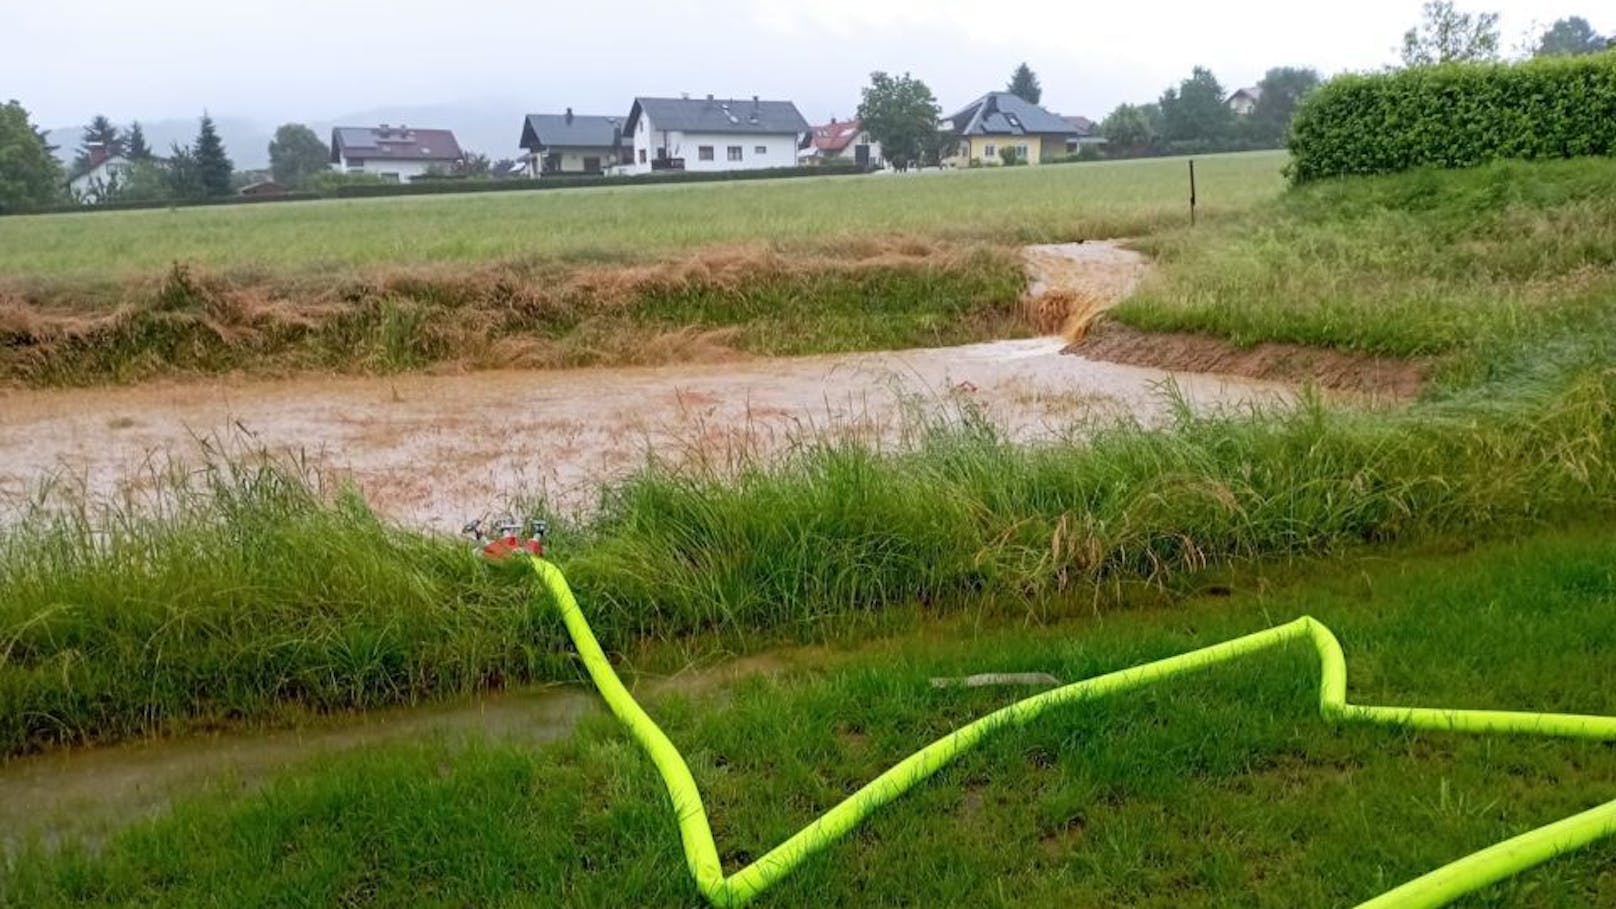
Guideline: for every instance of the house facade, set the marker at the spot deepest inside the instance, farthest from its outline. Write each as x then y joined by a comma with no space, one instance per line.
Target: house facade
1000,120
712,134
102,179
571,143
841,142
395,153
1244,101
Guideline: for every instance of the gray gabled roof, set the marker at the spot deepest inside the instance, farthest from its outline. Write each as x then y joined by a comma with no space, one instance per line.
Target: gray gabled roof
1004,114
394,143
570,130
718,115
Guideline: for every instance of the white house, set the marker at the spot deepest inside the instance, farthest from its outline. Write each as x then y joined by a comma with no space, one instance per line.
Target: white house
107,173
1244,100
841,142
571,143
712,134
396,153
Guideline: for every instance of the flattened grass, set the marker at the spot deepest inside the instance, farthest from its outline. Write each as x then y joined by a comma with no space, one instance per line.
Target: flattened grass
1009,205
1221,789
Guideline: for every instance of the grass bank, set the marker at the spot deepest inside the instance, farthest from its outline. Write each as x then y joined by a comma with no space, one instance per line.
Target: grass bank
1221,789
1475,267
996,205
877,295
251,595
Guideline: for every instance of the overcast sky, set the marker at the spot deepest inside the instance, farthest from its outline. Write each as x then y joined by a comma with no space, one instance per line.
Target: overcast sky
317,59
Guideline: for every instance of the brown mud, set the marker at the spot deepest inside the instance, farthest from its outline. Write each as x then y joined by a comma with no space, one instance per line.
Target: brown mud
434,450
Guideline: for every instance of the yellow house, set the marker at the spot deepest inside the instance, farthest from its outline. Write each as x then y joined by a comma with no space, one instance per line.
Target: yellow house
999,120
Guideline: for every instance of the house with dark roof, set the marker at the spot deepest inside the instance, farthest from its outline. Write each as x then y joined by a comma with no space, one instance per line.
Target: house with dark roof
571,143
1000,120
842,141
712,134
396,153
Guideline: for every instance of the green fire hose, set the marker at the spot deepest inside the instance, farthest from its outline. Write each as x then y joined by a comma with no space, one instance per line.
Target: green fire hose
1437,888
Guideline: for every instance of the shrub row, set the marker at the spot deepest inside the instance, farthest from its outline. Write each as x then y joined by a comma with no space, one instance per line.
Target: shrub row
433,187
1456,115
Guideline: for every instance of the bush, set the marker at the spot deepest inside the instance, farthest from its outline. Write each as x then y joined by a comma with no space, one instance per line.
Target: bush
1457,115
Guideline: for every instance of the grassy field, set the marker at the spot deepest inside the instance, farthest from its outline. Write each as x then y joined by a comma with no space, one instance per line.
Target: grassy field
1481,263
1221,789
1016,205
252,598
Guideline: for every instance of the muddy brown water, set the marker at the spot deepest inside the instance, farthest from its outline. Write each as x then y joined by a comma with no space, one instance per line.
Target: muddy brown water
435,450
432,450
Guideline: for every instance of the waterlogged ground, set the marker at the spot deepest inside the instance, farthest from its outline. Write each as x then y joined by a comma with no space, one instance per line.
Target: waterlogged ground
433,450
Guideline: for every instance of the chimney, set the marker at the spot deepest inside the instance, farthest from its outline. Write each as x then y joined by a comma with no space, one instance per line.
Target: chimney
98,153
569,116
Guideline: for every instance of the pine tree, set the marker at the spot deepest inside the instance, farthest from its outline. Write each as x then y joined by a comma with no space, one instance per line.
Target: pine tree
135,147
213,166
1024,85
101,132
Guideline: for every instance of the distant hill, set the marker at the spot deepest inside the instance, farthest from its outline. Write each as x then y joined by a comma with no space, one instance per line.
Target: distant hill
490,127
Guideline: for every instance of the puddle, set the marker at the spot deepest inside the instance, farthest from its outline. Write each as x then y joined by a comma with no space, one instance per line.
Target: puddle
82,794
433,451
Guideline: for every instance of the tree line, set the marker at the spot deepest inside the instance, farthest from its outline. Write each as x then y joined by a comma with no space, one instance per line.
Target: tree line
1194,115
900,112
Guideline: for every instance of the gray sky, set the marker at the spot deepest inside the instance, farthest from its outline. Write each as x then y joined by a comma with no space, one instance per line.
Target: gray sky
318,59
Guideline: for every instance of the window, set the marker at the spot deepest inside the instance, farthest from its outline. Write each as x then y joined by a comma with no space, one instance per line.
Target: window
1021,152
642,156
761,150
704,153
990,150
735,153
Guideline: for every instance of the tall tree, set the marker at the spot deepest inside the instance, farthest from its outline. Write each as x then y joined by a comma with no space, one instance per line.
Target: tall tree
183,176
213,166
135,147
1282,88
296,154
901,114
30,175
1127,127
1446,35
1024,85
100,132
1195,111
1570,37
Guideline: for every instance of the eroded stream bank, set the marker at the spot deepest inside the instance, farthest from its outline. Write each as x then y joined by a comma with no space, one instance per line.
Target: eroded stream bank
433,450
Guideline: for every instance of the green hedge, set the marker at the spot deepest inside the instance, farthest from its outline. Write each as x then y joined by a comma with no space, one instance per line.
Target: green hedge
1456,115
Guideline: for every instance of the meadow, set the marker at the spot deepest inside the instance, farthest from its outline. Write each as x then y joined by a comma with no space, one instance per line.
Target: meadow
1460,544
1223,788
1015,205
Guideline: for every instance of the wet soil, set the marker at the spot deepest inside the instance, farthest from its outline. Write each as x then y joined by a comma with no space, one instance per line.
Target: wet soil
1378,377
434,450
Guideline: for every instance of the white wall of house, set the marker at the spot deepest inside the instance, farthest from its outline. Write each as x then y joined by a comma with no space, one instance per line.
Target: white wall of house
572,159
92,186
404,171
755,151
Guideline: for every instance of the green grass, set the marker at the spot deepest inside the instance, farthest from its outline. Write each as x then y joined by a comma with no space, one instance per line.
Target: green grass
1216,790
1477,264
252,597
1000,205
